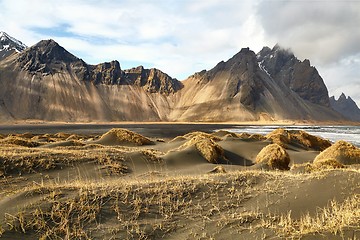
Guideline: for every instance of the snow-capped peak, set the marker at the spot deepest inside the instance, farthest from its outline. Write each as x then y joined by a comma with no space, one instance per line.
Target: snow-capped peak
8,43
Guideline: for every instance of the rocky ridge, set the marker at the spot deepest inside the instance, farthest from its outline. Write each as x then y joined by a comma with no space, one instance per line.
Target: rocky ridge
299,76
242,89
9,45
48,57
346,106
53,84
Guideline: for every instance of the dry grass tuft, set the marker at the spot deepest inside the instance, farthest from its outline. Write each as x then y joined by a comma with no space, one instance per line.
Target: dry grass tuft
223,134
244,135
202,135
298,138
25,135
62,135
12,140
205,144
218,169
343,152
178,139
324,164
70,143
73,137
62,219
274,156
251,137
20,160
210,150
333,219
152,155
257,137
124,136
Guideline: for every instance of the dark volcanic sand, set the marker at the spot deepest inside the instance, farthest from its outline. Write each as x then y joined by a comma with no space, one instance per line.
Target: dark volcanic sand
151,130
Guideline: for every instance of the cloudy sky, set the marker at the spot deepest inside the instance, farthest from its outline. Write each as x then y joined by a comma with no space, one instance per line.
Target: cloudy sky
181,37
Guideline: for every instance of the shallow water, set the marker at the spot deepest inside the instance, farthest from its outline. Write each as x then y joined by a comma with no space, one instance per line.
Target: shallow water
333,133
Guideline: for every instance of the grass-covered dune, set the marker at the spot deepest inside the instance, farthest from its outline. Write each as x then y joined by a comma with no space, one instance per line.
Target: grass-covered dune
221,185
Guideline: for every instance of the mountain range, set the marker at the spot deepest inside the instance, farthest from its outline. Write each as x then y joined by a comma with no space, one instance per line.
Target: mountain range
46,82
9,45
346,106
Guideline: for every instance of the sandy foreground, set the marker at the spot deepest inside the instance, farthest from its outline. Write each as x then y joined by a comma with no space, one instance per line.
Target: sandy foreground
172,182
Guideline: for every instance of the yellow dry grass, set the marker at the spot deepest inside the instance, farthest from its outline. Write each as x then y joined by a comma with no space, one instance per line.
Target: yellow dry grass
152,155
20,160
298,138
202,135
328,163
223,134
13,140
274,156
62,135
344,152
333,219
206,145
125,136
201,206
218,169
257,137
160,208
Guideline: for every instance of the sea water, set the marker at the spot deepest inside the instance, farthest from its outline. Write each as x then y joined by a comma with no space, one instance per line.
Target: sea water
333,133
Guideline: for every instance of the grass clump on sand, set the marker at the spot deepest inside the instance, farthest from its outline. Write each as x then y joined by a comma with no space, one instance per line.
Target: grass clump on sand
298,138
152,155
206,145
218,169
61,219
343,152
223,134
334,219
324,164
274,156
207,206
21,160
123,136
202,135
12,140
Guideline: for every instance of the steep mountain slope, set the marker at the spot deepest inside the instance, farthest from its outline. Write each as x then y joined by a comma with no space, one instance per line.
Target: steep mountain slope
298,75
242,89
47,82
346,106
9,45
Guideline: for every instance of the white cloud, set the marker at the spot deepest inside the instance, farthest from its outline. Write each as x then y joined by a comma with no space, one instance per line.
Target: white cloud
326,32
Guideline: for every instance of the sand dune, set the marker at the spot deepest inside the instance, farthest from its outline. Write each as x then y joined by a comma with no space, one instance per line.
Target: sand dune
124,185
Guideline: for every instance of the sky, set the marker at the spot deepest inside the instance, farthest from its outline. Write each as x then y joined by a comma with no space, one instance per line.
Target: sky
181,37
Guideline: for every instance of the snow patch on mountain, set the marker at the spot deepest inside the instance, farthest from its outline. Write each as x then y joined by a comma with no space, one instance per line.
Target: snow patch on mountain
8,43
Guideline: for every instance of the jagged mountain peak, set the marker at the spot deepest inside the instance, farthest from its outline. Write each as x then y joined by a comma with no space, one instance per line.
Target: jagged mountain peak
152,80
346,106
234,90
49,50
242,53
342,97
299,76
9,43
47,57
244,60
